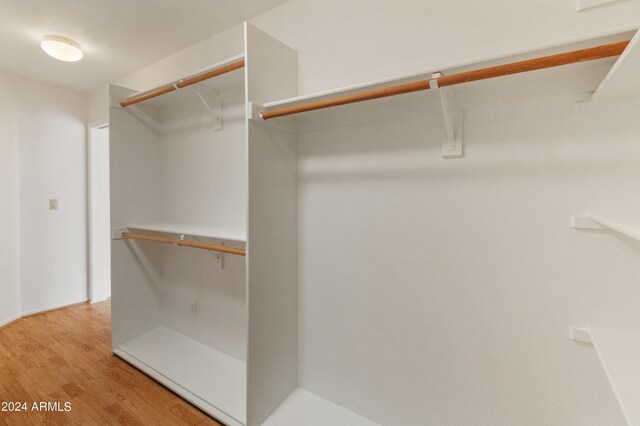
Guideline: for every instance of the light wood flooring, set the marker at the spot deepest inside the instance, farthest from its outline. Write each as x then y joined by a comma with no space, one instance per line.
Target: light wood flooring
65,356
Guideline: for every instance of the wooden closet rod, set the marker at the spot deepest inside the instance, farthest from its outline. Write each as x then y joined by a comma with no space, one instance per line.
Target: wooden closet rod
148,95
184,83
183,243
210,74
566,58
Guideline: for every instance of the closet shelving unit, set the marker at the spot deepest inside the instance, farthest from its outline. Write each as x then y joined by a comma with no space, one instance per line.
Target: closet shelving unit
215,163
583,68
312,103
618,350
578,69
619,83
191,177
179,179
226,234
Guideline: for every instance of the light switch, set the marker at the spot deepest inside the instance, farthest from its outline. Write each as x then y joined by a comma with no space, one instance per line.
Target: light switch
53,204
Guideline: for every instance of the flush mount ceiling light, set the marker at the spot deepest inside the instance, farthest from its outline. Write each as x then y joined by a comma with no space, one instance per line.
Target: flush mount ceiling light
61,48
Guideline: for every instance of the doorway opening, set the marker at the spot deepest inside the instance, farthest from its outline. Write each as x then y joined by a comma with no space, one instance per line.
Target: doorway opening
99,213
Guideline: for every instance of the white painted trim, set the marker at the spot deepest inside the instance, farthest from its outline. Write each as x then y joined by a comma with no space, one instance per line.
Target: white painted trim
52,307
41,310
10,320
98,123
99,300
91,128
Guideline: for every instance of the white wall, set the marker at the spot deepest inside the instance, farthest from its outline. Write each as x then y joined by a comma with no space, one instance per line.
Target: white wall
9,219
470,317
48,125
205,170
457,280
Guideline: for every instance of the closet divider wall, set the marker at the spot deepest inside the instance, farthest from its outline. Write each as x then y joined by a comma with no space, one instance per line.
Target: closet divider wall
191,172
272,230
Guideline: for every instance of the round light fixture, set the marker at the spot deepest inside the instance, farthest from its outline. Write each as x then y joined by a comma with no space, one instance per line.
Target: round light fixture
61,48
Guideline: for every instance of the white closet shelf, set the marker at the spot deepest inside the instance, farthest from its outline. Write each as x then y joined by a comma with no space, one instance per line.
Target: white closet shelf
558,80
226,234
619,353
594,221
209,379
621,81
588,4
304,408
221,76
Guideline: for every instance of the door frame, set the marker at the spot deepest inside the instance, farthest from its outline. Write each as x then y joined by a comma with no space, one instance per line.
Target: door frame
92,129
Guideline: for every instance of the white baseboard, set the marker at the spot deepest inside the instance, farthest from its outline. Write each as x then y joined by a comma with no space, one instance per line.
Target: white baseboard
104,299
52,307
10,320
41,310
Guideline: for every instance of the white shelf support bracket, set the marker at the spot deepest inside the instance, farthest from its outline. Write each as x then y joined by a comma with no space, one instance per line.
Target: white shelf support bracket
219,256
452,146
615,84
580,334
214,111
593,221
584,222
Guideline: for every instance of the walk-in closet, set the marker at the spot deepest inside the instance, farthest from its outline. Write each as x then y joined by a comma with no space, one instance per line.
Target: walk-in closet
313,213
215,174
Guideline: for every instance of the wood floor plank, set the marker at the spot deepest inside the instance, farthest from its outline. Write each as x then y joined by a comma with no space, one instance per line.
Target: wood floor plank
65,356
123,416
185,413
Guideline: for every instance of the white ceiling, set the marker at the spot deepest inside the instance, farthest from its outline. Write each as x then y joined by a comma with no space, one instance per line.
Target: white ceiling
117,36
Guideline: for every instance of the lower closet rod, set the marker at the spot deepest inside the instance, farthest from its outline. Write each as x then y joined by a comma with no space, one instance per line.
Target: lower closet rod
183,243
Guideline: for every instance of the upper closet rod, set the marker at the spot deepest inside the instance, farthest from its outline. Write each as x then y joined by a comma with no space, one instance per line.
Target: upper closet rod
184,243
566,58
184,83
